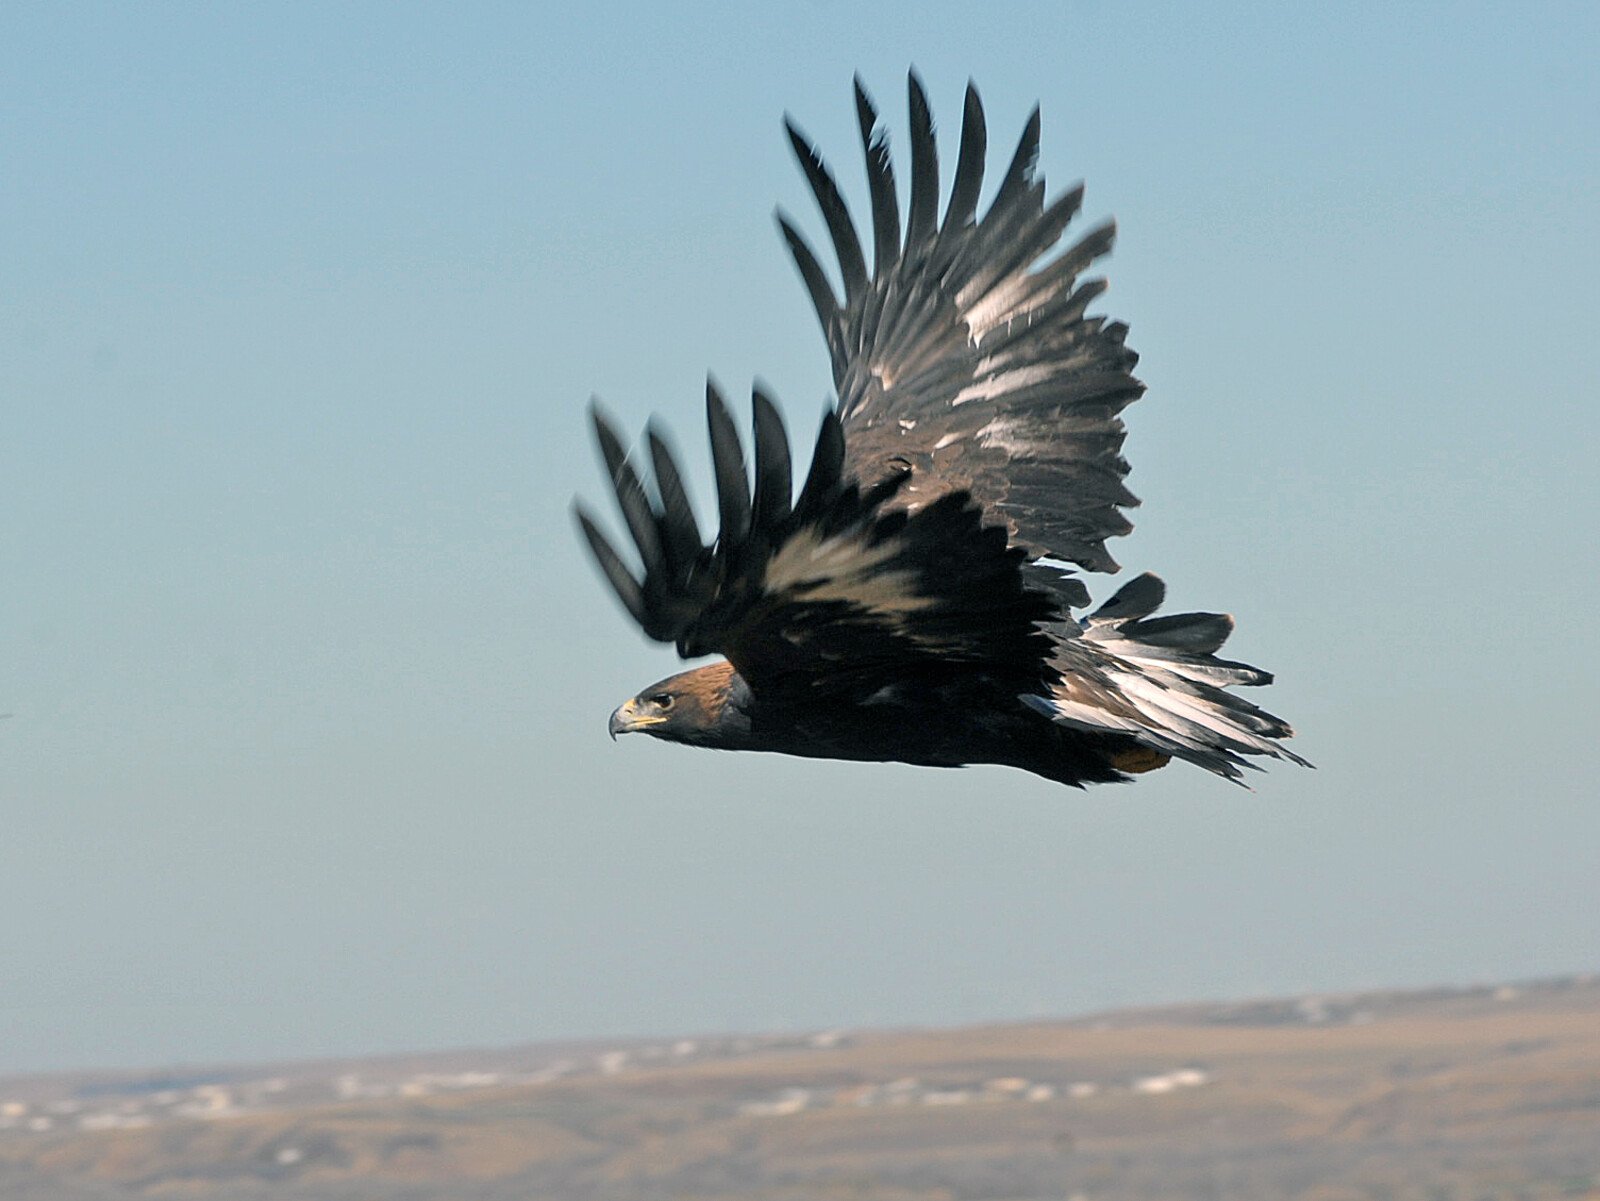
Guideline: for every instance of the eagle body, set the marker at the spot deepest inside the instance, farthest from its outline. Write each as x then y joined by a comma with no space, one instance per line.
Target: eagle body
951,722
915,601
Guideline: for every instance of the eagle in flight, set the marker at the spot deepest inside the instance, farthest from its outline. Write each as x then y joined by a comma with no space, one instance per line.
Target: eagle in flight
913,603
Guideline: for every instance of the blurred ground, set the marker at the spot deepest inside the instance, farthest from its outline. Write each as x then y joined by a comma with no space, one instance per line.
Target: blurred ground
1452,1095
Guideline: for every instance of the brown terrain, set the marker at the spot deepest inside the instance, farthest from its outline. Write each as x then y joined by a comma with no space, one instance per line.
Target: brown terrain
1451,1095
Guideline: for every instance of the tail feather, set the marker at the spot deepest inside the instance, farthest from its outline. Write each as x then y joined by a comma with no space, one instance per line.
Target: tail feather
1159,681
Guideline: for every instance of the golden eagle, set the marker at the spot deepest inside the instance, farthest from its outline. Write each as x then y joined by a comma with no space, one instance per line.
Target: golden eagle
913,602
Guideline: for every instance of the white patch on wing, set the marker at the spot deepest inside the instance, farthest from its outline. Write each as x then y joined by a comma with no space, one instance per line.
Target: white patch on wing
844,567
1002,383
1001,434
998,306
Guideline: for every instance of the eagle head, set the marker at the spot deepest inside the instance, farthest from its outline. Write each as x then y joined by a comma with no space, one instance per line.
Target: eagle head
698,707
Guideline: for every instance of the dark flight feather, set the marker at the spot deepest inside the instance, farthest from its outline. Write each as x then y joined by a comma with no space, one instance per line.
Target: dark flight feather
827,464
680,533
630,492
846,243
822,295
880,180
923,215
727,457
1019,175
615,570
969,164
774,483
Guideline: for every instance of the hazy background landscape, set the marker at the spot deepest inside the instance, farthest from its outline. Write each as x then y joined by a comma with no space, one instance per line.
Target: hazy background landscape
1464,1094
308,677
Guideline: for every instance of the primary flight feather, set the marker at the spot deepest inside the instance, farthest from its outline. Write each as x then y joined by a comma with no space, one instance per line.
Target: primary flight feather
912,603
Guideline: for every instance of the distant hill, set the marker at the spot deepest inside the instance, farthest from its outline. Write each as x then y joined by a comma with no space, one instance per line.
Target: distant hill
1446,1095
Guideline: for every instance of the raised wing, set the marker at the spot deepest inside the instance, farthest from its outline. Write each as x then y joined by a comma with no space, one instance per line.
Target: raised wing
833,591
966,355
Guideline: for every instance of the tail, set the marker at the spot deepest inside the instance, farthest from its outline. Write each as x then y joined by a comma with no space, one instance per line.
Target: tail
1158,681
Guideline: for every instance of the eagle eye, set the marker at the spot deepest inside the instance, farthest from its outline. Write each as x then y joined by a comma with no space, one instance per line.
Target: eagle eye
661,700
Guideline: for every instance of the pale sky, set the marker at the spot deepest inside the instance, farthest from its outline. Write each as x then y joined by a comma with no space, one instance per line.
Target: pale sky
309,675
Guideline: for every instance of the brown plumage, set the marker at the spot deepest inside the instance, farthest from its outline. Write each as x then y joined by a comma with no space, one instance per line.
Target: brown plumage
912,602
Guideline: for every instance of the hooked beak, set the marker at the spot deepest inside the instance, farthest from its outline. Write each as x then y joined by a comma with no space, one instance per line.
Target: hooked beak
627,719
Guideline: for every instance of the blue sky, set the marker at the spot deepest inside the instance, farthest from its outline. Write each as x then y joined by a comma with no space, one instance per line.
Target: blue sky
308,673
